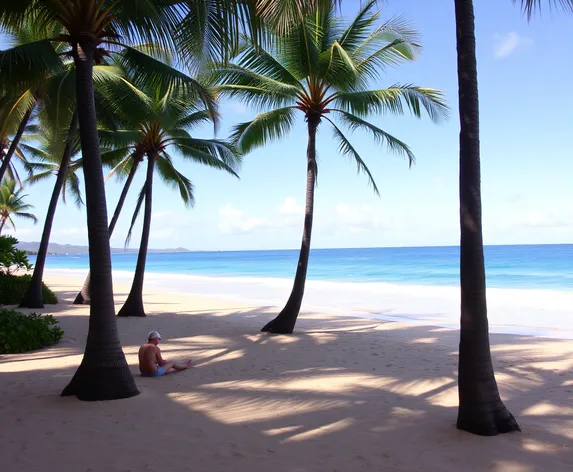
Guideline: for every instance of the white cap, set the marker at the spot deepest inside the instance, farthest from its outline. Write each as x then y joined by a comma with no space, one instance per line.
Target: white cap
153,334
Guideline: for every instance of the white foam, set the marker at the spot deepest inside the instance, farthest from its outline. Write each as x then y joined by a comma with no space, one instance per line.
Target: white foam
530,312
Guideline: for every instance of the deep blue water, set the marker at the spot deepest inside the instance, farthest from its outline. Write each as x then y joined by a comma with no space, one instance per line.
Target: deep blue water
521,267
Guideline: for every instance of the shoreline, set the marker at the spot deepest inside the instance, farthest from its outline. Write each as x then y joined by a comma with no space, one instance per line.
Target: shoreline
542,313
341,394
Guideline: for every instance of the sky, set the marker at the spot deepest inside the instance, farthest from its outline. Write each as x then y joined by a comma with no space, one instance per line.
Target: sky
526,114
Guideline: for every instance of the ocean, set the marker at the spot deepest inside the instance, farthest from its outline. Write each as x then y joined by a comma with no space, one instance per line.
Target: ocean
530,287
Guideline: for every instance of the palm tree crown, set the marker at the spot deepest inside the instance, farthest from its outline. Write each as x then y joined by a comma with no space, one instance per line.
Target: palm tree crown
323,70
12,204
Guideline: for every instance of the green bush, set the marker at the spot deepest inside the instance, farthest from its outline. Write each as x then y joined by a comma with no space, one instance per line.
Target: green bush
12,259
20,332
13,288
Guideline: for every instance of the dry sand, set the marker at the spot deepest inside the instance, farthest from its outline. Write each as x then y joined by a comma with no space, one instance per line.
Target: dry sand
342,394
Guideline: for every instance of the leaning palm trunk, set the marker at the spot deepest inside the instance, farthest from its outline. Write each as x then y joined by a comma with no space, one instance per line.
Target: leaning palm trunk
133,306
103,373
481,410
2,223
34,297
285,321
83,297
15,142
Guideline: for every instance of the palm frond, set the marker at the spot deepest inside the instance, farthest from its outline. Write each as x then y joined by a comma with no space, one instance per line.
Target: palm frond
255,89
147,72
27,65
529,7
393,99
345,148
265,127
379,135
173,178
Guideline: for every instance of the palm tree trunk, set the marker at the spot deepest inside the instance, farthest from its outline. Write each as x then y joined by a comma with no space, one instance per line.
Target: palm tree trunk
2,224
103,373
83,297
15,142
133,306
481,410
286,319
34,297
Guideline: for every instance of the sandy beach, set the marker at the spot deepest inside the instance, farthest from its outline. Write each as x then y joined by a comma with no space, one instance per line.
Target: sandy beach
343,394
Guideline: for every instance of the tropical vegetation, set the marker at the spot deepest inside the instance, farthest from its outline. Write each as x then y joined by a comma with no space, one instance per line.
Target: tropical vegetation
321,70
13,204
123,81
20,332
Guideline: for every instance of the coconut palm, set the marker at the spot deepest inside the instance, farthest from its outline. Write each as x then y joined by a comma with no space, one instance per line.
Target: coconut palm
13,204
87,27
321,69
481,410
158,134
15,114
56,159
18,104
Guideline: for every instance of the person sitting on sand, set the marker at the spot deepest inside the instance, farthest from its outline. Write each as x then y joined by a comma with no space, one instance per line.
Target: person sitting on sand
151,364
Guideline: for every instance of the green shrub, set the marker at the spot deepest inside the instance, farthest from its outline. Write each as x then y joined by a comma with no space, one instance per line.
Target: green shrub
20,332
13,288
12,259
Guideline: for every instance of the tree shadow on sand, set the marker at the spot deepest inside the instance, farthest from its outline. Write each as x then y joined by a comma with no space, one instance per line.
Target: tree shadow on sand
342,394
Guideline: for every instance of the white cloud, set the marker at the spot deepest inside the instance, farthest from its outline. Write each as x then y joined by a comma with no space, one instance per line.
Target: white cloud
549,218
290,207
233,220
358,219
506,44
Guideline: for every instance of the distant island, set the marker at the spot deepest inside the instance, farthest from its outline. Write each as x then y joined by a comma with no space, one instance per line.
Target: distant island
55,248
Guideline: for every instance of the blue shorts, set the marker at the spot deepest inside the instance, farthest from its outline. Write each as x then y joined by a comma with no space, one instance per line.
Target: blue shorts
157,373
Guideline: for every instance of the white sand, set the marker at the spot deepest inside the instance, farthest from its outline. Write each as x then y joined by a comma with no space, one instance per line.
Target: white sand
343,394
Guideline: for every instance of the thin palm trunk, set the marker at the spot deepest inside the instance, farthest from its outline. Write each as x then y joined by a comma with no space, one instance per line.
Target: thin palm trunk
2,224
34,297
103,373
133,306
15,142
481,410
83,297
285,321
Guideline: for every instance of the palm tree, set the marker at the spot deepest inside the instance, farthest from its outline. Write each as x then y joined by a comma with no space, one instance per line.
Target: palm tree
67,181
15,114
12,204
22,101
123,98
87,26
481,410
157,134
322,69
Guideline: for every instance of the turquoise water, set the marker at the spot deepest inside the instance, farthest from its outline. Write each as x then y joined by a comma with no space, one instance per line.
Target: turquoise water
519,267
530,288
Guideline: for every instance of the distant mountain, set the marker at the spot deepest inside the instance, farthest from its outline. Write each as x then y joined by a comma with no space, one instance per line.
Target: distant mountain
55,248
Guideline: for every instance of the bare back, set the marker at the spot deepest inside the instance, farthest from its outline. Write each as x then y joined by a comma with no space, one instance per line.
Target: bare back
148,357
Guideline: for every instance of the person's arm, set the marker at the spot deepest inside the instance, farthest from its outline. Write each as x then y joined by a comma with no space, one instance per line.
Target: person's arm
158,357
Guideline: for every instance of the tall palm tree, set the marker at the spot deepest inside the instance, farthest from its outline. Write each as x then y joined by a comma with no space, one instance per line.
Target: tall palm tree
57,154
87,27
22,101
15,114
12,204
165,129
321,69
481,410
